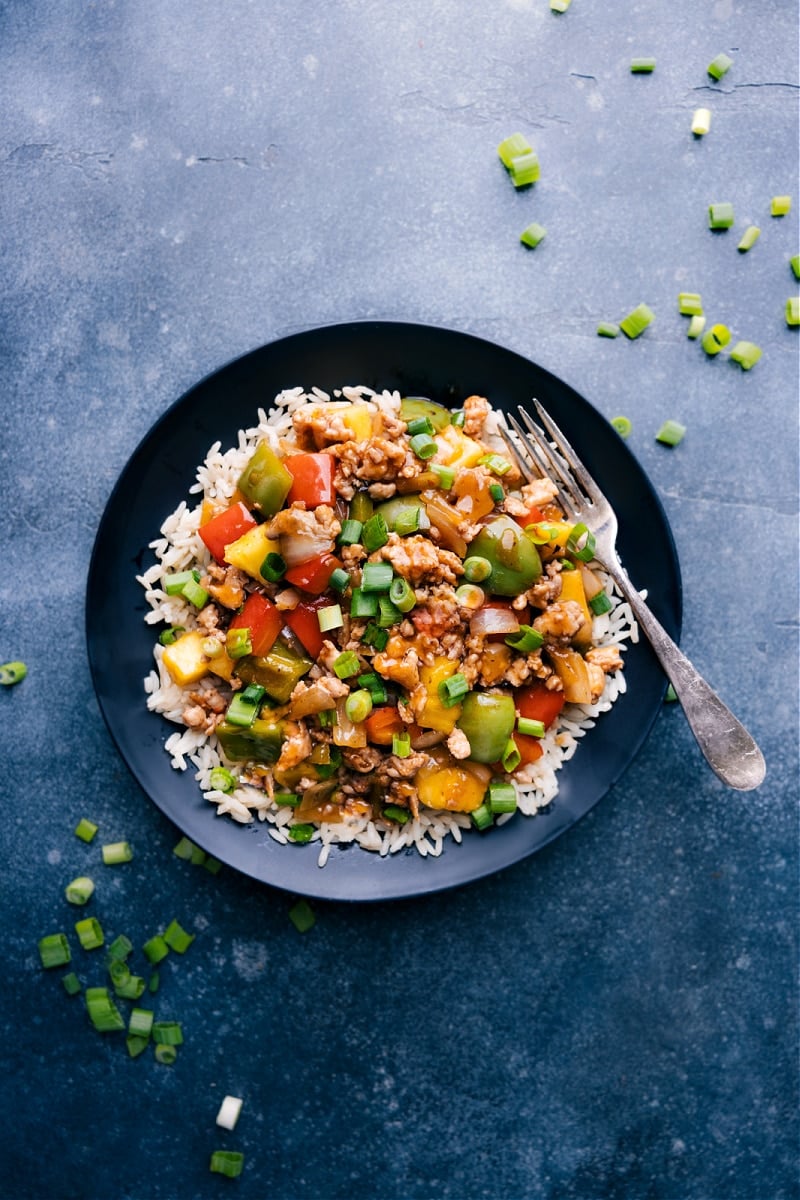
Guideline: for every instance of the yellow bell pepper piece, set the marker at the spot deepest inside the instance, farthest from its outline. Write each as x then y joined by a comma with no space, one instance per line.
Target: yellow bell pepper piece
249,551
456,450
185,659
434,715
452,785
572,589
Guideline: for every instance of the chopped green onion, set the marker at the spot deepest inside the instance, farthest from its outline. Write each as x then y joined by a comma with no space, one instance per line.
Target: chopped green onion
376,577
300,833
476,568
715,339
227,1162
165,1054
168,637
749,239
526,640
177,938
131,988
701,123
671,433
720,216
781,206
175,583
375,686
273,568
12,672
531,728
502,796
670,696
542,532
375,533
637,321
72,985
696,327
511,757
339,579
242,710
90,933
221,780
511,148
346,664
238,642
524,169
136,1045
746,354
453,690
600,603
120,948
409,520
167,1033
351,533
690,304
212,865
103,1012
482,817
54,950
402,595
155,949
401,745
140,1022
447,475
607,329
470,596
559,6
194,593
358,705
363,604
212,647
393,812
794,263
302,917
115,853
532,235
719,66
566,565
623,426
85,829
80,890
793,310
458,418
120,973
389,614
496,492
642,66
419,425
185,848
231,1106
374,636
496,463
331,617
581,542
155,980
423,445
287,799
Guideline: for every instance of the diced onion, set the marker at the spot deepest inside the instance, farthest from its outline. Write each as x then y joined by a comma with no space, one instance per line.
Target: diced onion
489,620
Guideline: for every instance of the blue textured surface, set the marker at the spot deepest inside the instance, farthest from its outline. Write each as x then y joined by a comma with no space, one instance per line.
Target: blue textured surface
617,1016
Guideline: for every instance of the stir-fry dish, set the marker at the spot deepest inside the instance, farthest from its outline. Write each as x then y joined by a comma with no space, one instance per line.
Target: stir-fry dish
373,629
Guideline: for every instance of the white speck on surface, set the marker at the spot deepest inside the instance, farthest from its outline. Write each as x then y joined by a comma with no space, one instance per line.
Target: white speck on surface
743,962
249,959
311,65
54,857
138,141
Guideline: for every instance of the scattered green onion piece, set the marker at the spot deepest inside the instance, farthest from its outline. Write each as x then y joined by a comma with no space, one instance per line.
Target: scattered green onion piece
496,463
325,718
696,327
185,848
85,829
526,640
720,216
566,565
447,475
302,917
212,647
749,239
781,206
194,593
12,672
623,426
120,948
90,933
690,304
103,1012
715,339
136,1045
670,696
167,1033
511,148
227,1162
376,687
153,982
242,711
701,123
221,780
511,758
287,799
363,604
401,745
559,6
608,329
524,169
600,603
273,568
532,235
579,533
339,579
231,1106
115,853
177,938
746,354
402,595
350,533
72,985
80,890
375,636
476,568
453,689
175,583
642,66
497,493
423,445
131,988
671,433
530,728
331,617
482,817
300,833
346,664
376,577
502,796
119,972
470,596
375,533
408,520
358,705
794,263
168,637
140,1022
637,321
719,66
419,425
388,613
212,865
793,310
165,1054
458,418
238,643
155,949
54,950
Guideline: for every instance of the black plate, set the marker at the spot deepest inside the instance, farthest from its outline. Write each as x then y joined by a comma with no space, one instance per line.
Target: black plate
418,360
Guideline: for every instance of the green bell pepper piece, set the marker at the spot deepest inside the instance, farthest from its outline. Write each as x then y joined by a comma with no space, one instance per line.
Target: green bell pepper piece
390,509
487,719
260,742
412,407
278,672
265,481
512,555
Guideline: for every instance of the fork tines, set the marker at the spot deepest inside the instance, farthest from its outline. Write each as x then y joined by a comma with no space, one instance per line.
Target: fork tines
536,457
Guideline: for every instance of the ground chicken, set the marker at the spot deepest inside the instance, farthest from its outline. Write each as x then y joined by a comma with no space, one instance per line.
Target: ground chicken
319,696
597,680
205,710
608,658
458,744
208,619
399,768
560,622
317,426
418,560
476,410
225,584
381,460
547,589
320,523
296,745
402,668
365,759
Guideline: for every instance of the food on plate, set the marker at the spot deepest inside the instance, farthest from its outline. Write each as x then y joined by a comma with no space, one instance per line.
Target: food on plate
372,629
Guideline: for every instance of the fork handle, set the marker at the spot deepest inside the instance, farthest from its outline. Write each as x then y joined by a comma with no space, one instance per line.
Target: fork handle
729,749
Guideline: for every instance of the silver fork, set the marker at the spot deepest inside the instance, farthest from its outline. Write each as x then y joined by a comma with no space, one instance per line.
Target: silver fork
729,749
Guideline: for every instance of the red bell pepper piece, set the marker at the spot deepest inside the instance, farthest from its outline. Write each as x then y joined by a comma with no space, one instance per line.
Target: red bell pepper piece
539,703
304,622
532,517
313,575
382,724
313,479
225,528
263,619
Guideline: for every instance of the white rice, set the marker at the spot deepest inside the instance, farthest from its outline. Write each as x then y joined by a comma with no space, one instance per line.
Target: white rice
180,547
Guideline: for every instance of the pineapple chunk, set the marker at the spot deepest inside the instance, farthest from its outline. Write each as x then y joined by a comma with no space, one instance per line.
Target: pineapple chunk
572,589
444,783
456,450
249,551
185,659
434,715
